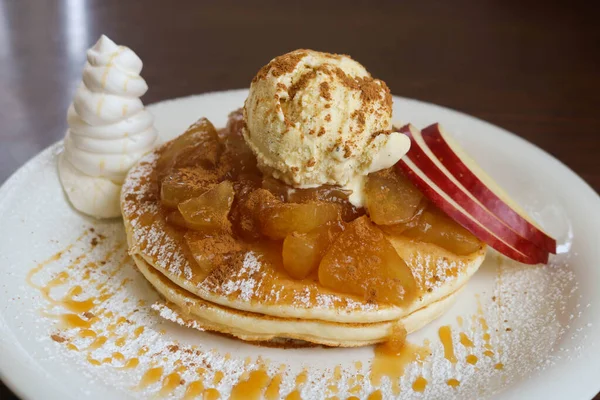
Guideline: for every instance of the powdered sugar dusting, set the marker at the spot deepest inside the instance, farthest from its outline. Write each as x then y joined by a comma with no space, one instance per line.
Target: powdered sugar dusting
432,272
243,282
170,315
525,311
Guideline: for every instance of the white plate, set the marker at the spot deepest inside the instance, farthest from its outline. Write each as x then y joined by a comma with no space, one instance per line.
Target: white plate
552,312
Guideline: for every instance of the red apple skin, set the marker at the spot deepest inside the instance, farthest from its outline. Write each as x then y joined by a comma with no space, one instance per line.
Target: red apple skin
465,221
481,214
445,154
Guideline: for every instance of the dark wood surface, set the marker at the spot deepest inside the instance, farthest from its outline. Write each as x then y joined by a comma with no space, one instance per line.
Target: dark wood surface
530,67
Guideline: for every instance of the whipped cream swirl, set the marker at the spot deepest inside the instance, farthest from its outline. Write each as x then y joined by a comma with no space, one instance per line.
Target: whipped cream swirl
109,129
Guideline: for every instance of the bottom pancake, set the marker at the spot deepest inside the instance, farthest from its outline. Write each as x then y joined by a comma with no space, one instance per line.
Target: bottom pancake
192,311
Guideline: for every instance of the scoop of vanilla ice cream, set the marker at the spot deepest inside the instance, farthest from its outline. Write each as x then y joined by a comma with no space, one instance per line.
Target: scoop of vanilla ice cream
315,118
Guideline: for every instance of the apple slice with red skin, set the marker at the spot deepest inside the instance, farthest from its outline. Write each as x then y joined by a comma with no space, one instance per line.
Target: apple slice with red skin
483,187
426,162
438,197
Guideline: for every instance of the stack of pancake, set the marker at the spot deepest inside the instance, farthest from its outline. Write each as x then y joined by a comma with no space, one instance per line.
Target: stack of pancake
254,300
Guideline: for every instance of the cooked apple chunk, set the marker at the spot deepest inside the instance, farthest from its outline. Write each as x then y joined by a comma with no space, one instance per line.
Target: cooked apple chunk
182,184
175,218
390,198
361,261
302,252
325,193
433,226
210,251
280,219
198,146
208,212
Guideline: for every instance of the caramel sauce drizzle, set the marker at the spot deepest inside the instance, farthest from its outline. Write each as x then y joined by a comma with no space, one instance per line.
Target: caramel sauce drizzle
211,394
445,334
272,391
392,364
169,384
465,341
471,359
301,379
151,376
453,382
376,395
419,384
252,387
218,377
335,378
485,328
193,390
80,314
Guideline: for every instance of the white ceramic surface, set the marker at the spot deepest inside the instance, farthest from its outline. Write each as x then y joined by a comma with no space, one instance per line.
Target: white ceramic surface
552,352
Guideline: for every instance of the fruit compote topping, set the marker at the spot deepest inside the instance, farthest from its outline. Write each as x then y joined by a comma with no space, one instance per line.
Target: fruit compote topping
212,190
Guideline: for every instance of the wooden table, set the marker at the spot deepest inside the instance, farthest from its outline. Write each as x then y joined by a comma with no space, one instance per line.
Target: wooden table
530,68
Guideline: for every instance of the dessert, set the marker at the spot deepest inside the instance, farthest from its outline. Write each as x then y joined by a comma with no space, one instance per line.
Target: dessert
234,274
109,129
308,217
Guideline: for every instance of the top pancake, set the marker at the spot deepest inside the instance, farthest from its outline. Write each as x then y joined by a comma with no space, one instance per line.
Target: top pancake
256,283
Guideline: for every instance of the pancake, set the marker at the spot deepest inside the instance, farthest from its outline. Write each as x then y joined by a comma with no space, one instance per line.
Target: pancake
256,284
189,310
255,300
